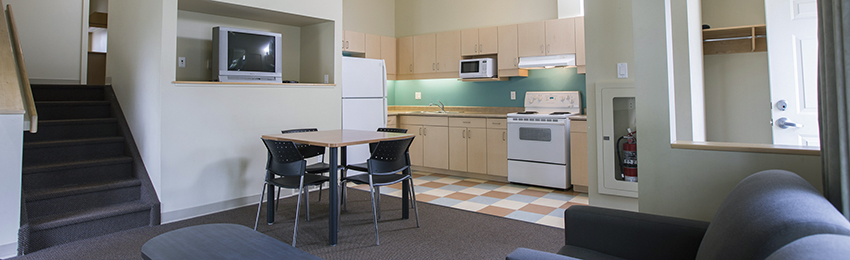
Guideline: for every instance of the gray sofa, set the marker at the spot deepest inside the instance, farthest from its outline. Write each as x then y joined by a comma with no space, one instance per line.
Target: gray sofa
772,214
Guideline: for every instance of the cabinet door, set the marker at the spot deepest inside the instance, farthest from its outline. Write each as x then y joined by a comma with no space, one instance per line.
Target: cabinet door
354,41
469,42
457,149
476,143
497,152
508,47
388,53
531,39
578,158
448,52
405,55
416,147
424,58
436,146
488,40
372,46
580,41
560,36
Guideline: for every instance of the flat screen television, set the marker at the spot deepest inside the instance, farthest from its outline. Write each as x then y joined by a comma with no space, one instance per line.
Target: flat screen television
241,55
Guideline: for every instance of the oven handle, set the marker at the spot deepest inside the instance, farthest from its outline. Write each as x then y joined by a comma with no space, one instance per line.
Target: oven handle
530,123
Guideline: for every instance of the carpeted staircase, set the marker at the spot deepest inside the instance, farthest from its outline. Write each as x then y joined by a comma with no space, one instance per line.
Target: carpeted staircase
82,173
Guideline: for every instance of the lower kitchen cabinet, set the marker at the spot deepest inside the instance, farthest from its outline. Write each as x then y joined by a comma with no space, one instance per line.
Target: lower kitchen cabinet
468,145
431,142
497,147
578,155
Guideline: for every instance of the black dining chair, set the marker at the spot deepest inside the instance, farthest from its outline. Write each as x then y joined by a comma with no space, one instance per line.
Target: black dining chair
389,164
310,151
361,167
286,168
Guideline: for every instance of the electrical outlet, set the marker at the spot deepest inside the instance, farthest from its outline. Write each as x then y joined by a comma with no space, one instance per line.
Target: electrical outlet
326,78
513,95
418,95
181,62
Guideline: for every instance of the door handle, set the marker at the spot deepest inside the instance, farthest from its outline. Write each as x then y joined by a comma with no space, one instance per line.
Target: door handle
784,123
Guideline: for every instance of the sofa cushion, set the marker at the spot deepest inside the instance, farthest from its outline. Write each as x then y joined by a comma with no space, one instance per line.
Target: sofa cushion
766,211
824,246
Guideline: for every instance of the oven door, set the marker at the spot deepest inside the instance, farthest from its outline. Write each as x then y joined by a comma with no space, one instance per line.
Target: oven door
538,142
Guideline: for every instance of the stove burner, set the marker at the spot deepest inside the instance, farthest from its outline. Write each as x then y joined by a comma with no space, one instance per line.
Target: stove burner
527,112
560,113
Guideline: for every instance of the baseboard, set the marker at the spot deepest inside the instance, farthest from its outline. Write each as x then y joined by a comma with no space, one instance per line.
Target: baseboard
460,174
183,214
9,250
54,81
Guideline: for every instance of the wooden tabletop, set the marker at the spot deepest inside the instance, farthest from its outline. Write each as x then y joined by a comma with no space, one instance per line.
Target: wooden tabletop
337,138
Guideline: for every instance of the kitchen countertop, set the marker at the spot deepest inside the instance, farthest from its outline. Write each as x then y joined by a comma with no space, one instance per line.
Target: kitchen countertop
464,111
578,118
413,113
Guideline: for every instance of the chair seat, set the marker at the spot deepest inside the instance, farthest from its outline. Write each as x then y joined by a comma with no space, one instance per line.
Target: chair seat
379,180
293,181
318,168
360,167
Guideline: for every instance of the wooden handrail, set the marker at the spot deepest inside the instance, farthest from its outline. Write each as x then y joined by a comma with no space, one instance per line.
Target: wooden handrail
31,113
11,101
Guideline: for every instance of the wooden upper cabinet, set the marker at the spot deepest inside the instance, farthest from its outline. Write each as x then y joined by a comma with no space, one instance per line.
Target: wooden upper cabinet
388,53
507,47
424,53
531,39
404,55
560,36
353,41
372,46
448,51
580,56
479,41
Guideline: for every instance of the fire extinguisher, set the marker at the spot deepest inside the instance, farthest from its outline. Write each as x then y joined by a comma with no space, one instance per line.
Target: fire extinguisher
628,165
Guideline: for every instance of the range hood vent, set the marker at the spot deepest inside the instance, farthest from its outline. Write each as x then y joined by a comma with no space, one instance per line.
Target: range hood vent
551,61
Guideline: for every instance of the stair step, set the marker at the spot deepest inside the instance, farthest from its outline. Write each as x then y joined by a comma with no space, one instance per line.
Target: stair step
64,228
64,151
74,173
49,130
53,201
58,110
67,92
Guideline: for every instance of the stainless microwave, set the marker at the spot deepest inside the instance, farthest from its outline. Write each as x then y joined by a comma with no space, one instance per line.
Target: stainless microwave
477,68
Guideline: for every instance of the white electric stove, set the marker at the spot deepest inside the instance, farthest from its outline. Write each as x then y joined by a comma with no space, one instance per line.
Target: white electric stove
539,139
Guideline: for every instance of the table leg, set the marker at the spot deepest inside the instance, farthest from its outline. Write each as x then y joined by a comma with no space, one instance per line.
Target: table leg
405,197
333,225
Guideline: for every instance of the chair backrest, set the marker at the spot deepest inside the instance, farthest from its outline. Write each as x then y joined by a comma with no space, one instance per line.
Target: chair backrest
308,151
390,157
392,130
284,159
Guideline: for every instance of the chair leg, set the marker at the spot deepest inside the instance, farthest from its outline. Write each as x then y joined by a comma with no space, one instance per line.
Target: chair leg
413,201
378,200
374,210
260,206
343,196
320,191
297,211
307,201
277,205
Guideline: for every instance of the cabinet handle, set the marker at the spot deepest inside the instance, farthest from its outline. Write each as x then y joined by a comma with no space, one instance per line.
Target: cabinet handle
504,134
469,134
438,66
466,122
541,48
432,66
515,62
480,47
410,67
424,131
464,134
547,48
496,123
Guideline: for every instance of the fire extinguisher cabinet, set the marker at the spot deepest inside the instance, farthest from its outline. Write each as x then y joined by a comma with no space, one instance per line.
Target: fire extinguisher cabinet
616,105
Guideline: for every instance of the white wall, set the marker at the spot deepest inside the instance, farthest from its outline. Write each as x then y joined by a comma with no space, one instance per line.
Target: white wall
423,17
201,143
11,153
43,29
680,182
369,16
570,8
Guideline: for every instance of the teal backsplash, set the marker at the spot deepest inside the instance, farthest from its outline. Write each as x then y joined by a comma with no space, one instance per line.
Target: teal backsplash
484,94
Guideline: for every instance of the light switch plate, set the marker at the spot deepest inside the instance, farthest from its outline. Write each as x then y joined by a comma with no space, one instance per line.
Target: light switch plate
622,70
513,95
418,95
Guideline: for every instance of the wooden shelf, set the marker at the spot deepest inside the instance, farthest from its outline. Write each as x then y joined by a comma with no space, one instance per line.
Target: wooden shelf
739,39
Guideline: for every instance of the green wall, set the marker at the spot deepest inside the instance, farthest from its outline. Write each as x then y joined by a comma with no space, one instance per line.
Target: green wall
484,94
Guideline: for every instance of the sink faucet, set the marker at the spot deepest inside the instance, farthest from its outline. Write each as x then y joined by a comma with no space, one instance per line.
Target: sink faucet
440,105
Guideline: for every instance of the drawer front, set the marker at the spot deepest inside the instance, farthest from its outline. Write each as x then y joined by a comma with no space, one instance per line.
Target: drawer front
578,126
467,122
391,121
424,120
496,123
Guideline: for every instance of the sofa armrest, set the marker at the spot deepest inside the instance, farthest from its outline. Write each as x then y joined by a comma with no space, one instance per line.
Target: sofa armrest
631,235
531,254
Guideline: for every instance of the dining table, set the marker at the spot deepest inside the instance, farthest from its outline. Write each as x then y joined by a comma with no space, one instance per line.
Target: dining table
336,141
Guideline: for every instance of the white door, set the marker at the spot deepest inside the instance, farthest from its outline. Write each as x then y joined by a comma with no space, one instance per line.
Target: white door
792,49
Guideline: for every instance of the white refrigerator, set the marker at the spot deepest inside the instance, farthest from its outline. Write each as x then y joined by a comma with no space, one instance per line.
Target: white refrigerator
364,100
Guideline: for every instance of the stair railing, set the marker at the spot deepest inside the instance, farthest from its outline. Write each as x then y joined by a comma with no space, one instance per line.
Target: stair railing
14,73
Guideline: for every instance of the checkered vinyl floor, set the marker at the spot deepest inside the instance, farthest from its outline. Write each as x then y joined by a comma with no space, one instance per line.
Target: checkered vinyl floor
526,203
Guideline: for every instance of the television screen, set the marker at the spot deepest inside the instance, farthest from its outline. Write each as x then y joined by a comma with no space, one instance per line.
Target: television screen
250,52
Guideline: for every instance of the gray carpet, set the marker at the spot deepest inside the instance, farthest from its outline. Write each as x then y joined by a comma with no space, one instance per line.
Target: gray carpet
445,233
